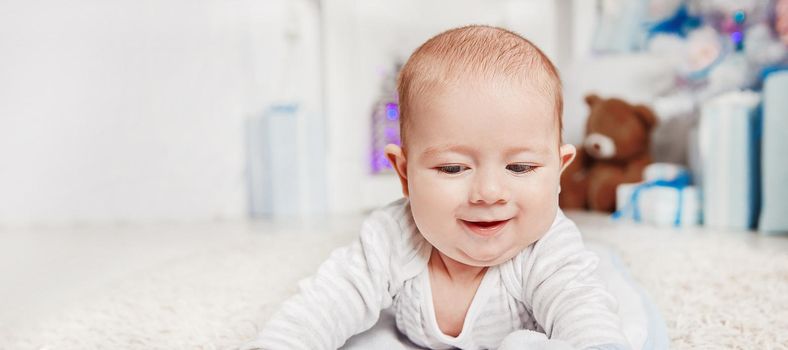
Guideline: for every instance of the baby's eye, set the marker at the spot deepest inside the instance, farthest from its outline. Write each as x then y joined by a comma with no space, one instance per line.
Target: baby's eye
519,168
451,169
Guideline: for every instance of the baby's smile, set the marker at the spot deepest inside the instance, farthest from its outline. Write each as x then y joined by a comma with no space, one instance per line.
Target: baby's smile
485,228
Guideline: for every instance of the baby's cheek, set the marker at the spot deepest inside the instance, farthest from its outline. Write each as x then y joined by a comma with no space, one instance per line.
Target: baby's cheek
433,188
431,198
538,204
537,190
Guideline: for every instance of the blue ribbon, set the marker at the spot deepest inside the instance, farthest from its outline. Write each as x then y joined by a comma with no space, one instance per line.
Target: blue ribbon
681,181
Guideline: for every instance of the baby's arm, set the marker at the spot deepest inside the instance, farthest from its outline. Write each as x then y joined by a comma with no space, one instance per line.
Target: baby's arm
566,297
344,298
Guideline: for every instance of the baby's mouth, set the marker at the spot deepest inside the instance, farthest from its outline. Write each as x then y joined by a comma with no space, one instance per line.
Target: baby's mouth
486,224
485,228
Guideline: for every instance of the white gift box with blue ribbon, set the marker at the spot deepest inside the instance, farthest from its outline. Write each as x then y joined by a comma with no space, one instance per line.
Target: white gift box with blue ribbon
664,198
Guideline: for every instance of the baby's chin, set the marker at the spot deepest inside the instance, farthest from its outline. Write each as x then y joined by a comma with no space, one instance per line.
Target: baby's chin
485,259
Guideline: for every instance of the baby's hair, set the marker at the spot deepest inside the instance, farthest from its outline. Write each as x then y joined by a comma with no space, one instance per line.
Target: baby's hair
478,51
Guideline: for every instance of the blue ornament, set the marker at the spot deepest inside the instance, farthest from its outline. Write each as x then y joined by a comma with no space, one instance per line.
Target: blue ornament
679,24
739,16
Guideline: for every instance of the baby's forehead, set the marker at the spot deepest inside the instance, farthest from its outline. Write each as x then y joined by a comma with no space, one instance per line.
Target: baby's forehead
525,99
502,114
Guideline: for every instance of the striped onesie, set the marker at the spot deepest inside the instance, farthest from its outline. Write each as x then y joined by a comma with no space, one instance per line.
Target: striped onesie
549,287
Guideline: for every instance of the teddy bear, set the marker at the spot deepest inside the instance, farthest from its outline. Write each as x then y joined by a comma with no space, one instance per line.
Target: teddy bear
615,150
781,20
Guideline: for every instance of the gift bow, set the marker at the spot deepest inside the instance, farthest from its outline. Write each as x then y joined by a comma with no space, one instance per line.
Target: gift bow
679,182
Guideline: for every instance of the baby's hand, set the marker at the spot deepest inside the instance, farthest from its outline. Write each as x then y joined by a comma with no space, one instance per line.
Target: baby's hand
525,339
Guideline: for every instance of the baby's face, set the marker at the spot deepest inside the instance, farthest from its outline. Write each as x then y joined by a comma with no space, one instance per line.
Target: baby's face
482,170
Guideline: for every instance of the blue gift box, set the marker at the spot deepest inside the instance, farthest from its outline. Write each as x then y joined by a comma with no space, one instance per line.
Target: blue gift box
729,142
774,210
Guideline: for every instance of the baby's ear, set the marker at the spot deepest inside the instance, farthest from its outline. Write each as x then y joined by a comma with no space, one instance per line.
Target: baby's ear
592,99
396,156
567,153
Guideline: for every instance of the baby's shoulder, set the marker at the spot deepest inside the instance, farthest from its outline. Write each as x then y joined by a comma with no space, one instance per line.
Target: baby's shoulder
562,233
561,242
394,227
391,232
390,221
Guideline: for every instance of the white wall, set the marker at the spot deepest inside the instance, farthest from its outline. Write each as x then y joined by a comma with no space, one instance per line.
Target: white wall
130,110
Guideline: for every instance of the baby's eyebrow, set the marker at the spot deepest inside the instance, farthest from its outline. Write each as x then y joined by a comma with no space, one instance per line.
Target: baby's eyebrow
532,150
435,150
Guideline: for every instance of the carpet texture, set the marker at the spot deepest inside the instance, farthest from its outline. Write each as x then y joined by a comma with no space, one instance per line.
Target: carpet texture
715,290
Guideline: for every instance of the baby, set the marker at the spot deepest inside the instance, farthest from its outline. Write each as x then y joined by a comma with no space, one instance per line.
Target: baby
477,255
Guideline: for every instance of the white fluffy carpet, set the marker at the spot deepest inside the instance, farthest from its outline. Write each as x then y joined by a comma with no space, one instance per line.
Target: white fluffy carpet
715,290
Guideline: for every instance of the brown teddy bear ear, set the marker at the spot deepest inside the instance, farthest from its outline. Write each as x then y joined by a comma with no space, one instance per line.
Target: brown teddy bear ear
646,115
592,99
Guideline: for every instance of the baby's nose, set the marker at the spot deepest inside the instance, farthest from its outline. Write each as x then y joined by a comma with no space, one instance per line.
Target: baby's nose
489,189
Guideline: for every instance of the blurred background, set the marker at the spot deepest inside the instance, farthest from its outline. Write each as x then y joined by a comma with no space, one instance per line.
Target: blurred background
146,111
191,111
157,158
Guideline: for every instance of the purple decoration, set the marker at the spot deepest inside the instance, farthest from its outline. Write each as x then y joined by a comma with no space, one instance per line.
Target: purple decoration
729,25
379,161
383,163
376,155
392,112
736,37
385,124
391,134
